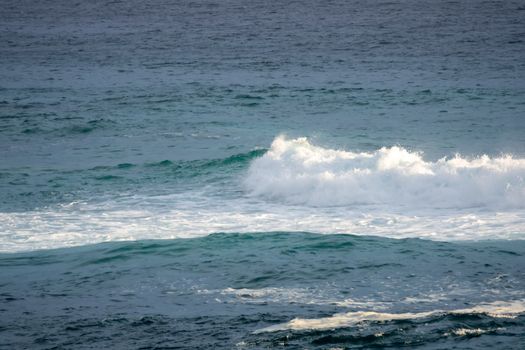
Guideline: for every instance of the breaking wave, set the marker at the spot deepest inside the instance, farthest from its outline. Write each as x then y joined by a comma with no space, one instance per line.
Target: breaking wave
294,171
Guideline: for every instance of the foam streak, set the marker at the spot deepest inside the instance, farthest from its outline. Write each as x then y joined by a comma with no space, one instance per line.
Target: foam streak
497,309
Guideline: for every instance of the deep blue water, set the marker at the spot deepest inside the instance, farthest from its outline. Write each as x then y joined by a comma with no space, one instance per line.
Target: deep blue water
217,291
199,174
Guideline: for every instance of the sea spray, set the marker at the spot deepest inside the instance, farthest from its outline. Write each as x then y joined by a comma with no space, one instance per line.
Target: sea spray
295,171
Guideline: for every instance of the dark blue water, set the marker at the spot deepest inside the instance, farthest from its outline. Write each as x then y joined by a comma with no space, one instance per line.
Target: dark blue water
219,290
149,151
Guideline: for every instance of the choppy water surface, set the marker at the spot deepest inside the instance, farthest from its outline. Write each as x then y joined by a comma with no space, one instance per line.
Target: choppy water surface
384,140
267,290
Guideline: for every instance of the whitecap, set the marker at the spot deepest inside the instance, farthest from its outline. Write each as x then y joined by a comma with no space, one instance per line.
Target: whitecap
294,171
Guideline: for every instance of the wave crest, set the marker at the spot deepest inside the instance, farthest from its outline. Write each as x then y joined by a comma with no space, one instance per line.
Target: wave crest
297,172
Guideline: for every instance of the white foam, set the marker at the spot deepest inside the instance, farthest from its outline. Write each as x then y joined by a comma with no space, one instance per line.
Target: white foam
297,172
391,192
463,332
307,296
497,309
83,223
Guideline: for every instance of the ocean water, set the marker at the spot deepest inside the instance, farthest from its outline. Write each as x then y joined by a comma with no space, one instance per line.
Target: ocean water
263,174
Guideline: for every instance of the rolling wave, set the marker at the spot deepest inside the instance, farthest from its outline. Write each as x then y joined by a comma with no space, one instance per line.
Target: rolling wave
294,171
293,186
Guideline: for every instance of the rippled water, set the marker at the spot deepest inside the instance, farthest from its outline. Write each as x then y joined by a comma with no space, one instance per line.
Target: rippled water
306,174
224,290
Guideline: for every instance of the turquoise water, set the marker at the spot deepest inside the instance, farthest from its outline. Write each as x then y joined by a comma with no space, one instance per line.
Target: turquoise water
232,175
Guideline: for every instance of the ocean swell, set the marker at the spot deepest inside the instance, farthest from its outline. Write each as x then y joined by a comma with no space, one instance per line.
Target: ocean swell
294,171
